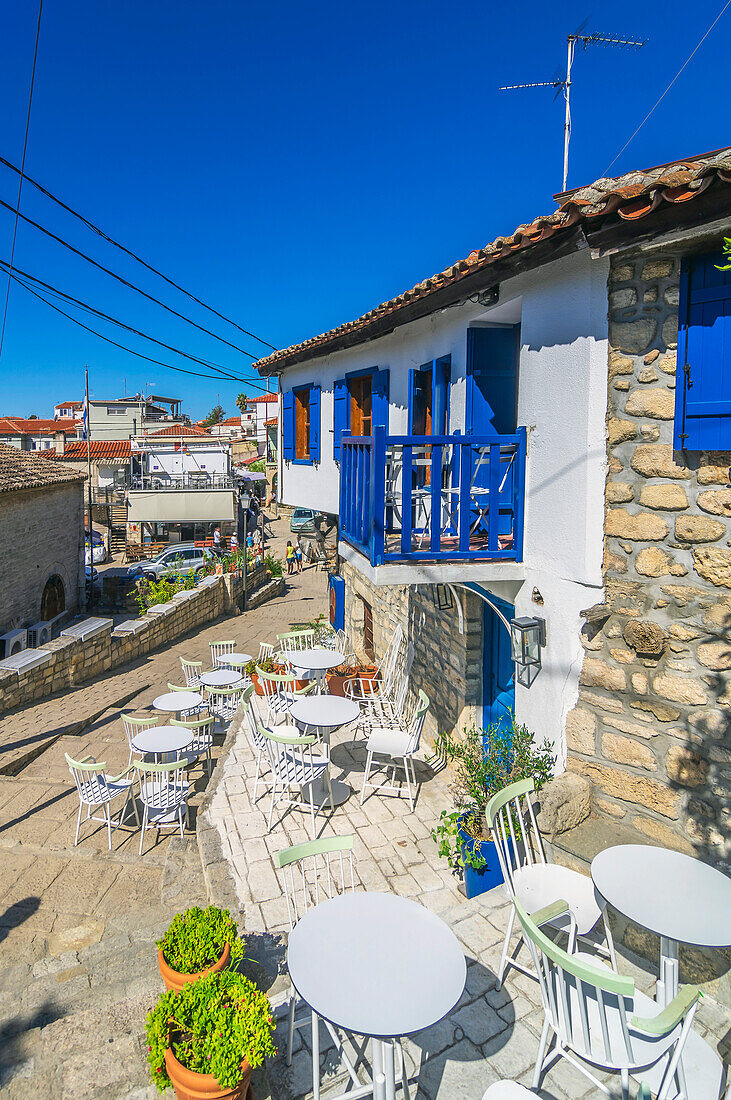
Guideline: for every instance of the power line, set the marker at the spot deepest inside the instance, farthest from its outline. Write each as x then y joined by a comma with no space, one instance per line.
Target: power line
22,170
680,70
100,232
122,280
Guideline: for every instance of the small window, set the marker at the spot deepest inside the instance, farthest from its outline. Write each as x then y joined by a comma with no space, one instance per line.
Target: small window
302,423
368,629
361,405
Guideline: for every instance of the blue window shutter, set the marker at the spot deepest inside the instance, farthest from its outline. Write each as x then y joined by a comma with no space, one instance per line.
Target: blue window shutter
288,425
314,423
379,398
703,390
412,384
340,415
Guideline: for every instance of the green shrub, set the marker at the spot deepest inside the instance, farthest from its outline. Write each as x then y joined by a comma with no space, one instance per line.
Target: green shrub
274,565
196,938
211,1025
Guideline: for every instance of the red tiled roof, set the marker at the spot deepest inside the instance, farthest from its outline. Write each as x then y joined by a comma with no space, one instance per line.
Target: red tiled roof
264,396
233,421
630,197
179,431
28,470
100,448
17,425
69,405
273,420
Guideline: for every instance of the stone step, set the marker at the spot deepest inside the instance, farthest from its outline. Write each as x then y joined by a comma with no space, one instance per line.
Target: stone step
577,847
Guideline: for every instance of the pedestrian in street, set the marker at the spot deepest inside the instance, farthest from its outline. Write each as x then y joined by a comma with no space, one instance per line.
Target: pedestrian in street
289,558
217,538
298,556
234,542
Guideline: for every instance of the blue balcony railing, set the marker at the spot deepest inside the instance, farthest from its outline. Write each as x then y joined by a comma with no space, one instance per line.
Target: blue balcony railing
426,498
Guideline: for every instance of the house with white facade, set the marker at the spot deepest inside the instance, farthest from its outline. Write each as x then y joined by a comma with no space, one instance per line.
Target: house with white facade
263,407
508,443
34,434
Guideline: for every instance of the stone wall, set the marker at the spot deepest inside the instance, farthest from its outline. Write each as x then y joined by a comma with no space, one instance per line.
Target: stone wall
652,726
41,532
447,665
73,661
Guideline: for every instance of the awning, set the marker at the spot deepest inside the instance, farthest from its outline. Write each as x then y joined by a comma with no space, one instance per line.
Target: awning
180,505
254,477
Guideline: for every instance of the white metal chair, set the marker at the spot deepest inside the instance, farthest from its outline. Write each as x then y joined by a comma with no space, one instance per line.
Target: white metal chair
266,650
163,794
257,739
534,882
363,691
219,651
223,702
202,730
295,765
312,872
295,640
396,749
594,1015
96,789
191,673
388,708
280,692
132,726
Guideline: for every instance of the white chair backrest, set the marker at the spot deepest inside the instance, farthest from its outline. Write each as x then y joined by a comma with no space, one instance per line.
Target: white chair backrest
191,672
133,726
511,819
88,776
289,756
161,784
314,871
219,649
295,640
201,727
256,738
416,725
400,683
266,649
389,661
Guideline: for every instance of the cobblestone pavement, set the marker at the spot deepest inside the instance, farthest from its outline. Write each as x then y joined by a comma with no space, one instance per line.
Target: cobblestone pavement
78,963
490,1035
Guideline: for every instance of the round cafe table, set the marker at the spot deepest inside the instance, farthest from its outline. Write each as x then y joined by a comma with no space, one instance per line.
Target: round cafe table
325,713
161,740
238,660
175,702
312,664
378,965
220,677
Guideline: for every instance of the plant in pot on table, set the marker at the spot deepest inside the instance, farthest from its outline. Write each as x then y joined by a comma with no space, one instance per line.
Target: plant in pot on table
198,942
206,1038
485,762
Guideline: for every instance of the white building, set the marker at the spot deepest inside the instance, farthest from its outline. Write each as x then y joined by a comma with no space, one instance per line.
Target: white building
263,408
125,417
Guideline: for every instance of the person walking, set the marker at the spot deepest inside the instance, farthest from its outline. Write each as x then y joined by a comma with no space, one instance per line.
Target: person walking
298,556
289,558
217,538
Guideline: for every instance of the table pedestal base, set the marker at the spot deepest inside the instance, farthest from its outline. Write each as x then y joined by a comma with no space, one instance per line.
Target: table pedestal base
318,792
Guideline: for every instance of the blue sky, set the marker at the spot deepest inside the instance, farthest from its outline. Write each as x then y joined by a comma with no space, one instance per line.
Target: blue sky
295,165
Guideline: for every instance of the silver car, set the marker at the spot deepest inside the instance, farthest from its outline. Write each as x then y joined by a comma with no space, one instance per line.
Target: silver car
176,560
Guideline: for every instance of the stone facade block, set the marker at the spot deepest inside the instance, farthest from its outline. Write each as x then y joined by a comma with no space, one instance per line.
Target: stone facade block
713,563
656,460
655,404
629,787
637,527
698,529
666,498
623,750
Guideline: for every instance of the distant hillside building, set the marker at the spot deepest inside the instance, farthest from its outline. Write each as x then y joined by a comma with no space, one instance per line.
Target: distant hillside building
33,434
125,417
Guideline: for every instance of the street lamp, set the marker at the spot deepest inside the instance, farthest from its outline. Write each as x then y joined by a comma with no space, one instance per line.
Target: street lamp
244,502
527,636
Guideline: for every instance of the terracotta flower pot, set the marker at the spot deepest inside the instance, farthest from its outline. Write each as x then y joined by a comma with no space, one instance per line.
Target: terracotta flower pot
190,1085
174,980
336,679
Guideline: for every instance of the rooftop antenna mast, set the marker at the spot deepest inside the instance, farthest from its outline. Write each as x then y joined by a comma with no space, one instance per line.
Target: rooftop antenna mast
563,84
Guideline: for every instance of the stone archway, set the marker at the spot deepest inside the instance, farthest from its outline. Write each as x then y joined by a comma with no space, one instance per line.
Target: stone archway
53,600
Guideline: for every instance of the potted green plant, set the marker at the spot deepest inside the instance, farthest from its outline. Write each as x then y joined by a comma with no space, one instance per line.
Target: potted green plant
267,664
198,941
206,1038
485,761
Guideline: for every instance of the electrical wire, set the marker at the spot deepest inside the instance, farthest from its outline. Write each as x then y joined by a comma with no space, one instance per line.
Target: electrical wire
680,70
22,170
125,282
100,232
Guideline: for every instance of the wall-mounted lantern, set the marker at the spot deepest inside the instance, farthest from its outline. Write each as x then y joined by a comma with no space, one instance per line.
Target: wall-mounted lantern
527,637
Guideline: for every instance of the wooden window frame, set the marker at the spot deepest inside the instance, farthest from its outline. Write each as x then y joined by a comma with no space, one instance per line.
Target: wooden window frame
301,398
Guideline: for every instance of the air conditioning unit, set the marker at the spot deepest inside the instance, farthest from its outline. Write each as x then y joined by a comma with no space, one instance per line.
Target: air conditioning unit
15,641
40,633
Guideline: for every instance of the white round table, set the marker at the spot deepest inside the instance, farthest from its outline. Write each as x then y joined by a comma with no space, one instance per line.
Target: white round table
314,663
160,740
175,702
235,659
378,965
221,677
674,895
325,713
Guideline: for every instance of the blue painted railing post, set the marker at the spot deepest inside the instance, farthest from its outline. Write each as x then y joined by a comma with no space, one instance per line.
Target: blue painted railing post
493,499
519,490
465,486
378,494
407,480
436,498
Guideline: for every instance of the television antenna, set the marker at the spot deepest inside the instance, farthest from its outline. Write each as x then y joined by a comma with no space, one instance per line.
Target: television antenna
562,84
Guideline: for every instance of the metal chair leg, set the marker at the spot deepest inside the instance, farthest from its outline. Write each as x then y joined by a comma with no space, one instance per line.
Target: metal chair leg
541,1054
315,1056
506,949
78,824
290,1031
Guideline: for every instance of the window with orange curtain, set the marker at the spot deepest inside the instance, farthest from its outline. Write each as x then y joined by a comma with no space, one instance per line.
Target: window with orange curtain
302,423
361,405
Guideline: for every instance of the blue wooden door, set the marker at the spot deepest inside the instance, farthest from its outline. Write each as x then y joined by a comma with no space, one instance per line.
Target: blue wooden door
492,380
498,669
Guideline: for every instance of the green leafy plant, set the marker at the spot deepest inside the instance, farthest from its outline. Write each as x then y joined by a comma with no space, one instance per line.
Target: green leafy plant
211,1025
274,565
727,254
258,467
267,664
196,938
485,761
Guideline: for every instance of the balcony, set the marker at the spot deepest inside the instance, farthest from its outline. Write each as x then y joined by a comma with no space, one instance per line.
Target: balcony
435,499
173,482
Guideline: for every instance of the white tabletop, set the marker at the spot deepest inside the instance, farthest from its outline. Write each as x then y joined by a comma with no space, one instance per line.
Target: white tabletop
668,892
376,964
324,710
233,658
220,677
315,660
175,701
157,739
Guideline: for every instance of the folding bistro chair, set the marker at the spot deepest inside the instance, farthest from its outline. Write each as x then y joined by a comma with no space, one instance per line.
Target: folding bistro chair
97,789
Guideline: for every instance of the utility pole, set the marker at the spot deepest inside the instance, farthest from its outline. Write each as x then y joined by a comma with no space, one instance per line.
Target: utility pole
563,84
88,484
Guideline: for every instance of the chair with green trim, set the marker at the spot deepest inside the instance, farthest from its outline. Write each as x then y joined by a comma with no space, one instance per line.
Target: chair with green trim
596,1017
257,740
223,702
535,882
95,789
191,673
294,764
132,726
294,640
219,650
202,730
280,691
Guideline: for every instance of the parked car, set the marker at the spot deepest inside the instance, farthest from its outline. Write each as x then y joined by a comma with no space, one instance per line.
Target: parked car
177,559
303,521
95,551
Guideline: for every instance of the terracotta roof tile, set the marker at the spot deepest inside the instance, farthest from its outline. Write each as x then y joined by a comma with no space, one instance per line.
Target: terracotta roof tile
17,425
632,197
179,431
100,448
28,470
263,396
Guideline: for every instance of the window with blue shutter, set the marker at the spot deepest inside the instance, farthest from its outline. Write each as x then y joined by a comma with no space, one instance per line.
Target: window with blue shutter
314,423
379,399
703,389
341,420
288,425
